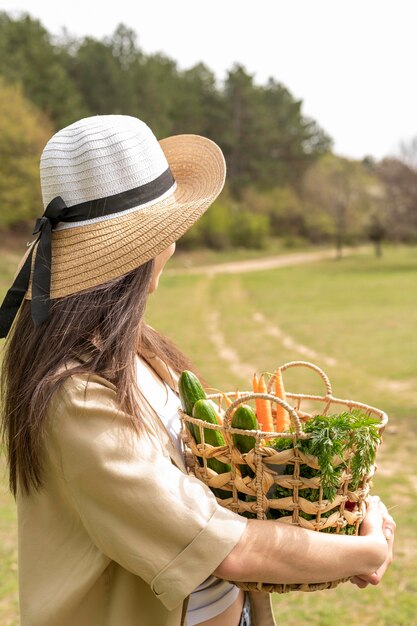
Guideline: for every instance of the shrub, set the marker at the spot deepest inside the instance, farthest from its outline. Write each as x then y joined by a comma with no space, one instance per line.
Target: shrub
249,229
24,132
216,226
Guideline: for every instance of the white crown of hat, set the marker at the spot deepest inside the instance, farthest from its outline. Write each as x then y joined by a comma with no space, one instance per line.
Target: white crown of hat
98,157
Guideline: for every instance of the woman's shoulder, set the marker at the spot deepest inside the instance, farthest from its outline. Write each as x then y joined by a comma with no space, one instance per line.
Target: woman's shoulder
79,389
84,417
86,426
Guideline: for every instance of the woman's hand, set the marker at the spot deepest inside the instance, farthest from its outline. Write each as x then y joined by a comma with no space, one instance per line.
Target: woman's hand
284,554
377,521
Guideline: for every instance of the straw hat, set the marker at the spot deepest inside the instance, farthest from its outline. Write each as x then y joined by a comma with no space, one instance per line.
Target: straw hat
114,197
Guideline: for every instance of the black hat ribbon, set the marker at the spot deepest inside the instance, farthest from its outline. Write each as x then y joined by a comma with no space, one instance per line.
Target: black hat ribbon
41,282
58,211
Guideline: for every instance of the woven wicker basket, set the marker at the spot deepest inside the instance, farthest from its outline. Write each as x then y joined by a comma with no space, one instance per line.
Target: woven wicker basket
252,495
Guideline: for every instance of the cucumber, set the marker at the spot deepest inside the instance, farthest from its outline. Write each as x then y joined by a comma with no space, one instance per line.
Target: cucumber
245,418
205,411
190,391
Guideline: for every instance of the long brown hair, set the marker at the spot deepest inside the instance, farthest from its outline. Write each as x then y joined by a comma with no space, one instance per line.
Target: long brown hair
103,325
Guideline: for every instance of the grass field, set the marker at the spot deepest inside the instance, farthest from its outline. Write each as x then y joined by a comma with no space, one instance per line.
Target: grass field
355,318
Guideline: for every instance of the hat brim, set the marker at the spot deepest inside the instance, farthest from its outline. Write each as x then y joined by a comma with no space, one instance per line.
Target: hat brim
87,256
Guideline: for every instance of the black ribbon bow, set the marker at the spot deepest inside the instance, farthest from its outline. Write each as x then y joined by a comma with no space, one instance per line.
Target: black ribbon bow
41,281
55,212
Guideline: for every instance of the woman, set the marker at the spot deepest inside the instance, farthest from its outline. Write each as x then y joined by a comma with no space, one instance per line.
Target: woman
112,530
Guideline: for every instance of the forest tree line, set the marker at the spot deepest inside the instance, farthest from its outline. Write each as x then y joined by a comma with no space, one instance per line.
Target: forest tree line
283,178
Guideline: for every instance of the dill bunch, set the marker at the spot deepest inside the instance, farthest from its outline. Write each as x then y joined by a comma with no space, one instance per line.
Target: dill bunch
351,434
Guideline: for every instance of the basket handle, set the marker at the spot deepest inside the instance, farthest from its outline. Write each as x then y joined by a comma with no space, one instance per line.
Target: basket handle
264,396
311,366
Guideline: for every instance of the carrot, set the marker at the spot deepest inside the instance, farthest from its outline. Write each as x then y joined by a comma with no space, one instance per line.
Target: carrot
255,384
263,408
282,418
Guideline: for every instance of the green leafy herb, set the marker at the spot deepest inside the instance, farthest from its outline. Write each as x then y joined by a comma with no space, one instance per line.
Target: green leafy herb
352,432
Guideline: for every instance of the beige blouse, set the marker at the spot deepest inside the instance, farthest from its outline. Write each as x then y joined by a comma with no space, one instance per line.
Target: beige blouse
120,534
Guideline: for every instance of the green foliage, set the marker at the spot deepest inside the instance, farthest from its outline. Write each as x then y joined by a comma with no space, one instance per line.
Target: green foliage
193,238
318,224
196,103
395,211
280,165
157,80
258,127
266,139
110,85
23,134
282,206
226,224
338,197
249,230
354,433
216,226
29,58
352,437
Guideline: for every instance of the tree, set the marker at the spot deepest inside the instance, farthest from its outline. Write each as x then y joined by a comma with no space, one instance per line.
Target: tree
282,207
196,103
269,145
266,139
100,78
125,47
24,132
291,142
377,232
156,80
240,135
104,72
399,181
408,153
339,188
28,58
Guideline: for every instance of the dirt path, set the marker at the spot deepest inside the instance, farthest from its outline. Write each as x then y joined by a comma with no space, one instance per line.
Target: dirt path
226,352
230,355
407,388
268,263
289,342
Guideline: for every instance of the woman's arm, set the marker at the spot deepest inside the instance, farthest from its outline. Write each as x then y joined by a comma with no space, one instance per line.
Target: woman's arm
273,552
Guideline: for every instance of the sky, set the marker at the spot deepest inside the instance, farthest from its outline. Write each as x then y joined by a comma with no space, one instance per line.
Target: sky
352,63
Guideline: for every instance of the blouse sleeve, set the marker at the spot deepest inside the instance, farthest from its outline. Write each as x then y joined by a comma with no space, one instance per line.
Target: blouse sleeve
138,508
